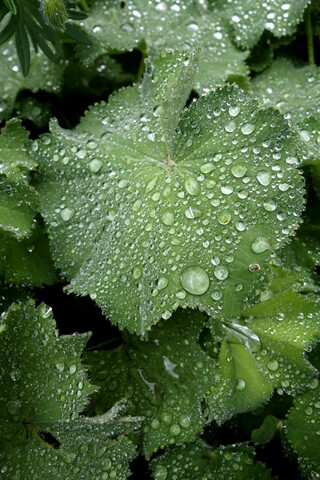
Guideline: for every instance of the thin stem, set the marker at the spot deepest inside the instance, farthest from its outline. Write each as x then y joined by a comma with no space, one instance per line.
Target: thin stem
84,5
309,37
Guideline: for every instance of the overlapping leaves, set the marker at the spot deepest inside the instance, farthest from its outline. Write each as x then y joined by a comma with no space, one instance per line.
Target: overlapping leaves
44,75
43,388
150,208
153,26
199,460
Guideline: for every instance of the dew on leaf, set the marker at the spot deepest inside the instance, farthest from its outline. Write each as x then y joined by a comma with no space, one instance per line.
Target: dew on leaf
234,111
273,365
168,218
162,283
192,186
193,212
195,280
67,213
241,384
224,218
247,128
254,267
220,272
238,170
264,178
175,429
160,472
260,245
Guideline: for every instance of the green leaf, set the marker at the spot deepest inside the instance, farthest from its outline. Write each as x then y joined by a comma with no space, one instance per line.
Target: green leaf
44,75
298,99
303,430
265,349
43,388
18,200
250,20
166,378
28,261
145,219
56,13
199,460
266,431
154,26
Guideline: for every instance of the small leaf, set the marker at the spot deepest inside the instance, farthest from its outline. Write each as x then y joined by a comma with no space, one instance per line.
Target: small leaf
266,431
56,13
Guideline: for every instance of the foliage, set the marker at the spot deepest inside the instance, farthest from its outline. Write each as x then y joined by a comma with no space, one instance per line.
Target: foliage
159,186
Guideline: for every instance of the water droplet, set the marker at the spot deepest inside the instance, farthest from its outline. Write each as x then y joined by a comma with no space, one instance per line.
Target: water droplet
270,206
226,189
151,185
168,218
193,212
193,27
230,127
247,128
305,135
308,411
221,273
155,424
175,429
260,245
72,368
192,186
284,187
160,472
137,205
207,167
59,366
241,384
162,283
137,271
234,111
254,267
95,165
195,280
224,218
66,214
264,178
273,365
238,170
185,421
166,418
216,295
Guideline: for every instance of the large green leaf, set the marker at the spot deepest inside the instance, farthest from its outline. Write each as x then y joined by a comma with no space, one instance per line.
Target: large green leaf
149,209
200,461
18,200
43,387
155,26
165,377
44,75
303,430
250,19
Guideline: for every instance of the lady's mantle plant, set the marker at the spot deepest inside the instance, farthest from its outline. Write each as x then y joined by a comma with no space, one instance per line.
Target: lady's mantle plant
185,206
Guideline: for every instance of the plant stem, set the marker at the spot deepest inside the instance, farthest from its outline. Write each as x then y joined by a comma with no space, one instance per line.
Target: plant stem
84,5
309,37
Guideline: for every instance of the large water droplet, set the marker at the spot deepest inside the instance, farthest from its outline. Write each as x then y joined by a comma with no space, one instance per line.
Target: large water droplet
193,212
273,365
238,170
168,218
66,214
95,165
224,218
260,245
264,178
221,272
160,472
192,186
234,111
247,128
195,280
